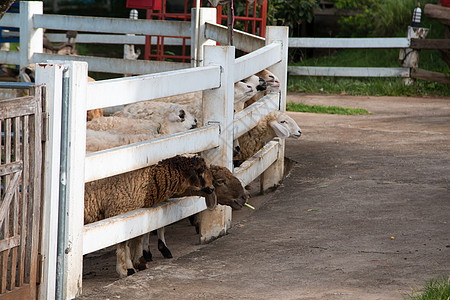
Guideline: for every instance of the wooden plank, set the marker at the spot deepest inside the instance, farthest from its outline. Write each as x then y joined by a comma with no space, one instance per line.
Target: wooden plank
135,156
113,65
256,61
430,76
116,25
120,228
16,107
430,44
249,117
11,168
258,163
438,12
9,243
114,92
10,57
10,20
20,293
241,40
355,43
114,39
348,72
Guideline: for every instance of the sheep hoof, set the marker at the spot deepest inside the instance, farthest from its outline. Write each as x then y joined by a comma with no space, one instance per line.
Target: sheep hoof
147,255
164,250
130,272
142,265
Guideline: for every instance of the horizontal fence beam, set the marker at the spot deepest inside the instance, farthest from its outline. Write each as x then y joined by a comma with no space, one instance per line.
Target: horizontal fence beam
430,76
10,20
114,65
348,72
437,44
113,92
349,43
116,25
241,40
258,163
10,57
249,117
135,156
117,229
256,61
118,39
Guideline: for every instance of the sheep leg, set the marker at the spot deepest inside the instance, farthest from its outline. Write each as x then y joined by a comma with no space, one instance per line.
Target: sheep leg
146,247
124,266
139,262
162,244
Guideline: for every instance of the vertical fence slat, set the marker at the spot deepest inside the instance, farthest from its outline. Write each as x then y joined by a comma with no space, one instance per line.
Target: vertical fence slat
274,174
25,183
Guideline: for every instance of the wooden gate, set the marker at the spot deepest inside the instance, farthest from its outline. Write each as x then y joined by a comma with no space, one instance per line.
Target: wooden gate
20,191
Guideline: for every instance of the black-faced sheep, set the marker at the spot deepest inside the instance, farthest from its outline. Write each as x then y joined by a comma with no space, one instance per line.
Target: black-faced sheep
145,187
275,124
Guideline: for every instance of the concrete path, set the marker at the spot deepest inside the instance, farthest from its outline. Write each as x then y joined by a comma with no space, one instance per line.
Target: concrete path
363,214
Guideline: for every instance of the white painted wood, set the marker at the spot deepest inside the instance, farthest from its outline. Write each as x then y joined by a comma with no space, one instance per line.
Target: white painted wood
115,65
206,14
135,156
51,77
274,174
349,43
10,57
30,37
77,73
241,40
10,20
117,229
114,92
348,71
258,163
256,61
100,38
115,25
249,117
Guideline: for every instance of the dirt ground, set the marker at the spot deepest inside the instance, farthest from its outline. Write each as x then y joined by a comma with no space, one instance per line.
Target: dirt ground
363,214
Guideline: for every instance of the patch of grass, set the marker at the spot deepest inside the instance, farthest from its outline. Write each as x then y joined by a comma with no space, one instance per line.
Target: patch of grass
321,109
434,289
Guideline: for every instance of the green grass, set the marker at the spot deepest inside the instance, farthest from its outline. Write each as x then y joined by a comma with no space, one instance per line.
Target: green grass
434,289
321,109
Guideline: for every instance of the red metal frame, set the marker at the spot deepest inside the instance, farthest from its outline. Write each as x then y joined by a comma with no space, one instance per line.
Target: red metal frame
257,26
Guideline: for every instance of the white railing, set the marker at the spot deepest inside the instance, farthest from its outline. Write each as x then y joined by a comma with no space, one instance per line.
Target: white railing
349,43
218,71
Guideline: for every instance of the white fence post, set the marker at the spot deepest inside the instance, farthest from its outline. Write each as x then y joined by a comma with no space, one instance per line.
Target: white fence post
51,77
410,57
76,73
206,14
278,34
218,108
31,39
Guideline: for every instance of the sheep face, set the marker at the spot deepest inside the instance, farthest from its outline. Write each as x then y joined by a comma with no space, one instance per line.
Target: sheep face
229,190
285,127
273,83
179,120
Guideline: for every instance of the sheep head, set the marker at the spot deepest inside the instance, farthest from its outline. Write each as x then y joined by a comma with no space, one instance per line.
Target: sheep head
179,120
228,188
273,83
284,126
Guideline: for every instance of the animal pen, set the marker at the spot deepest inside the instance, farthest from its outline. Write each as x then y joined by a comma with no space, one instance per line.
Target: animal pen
66,89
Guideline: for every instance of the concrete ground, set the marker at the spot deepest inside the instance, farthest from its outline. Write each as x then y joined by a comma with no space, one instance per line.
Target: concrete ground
363,214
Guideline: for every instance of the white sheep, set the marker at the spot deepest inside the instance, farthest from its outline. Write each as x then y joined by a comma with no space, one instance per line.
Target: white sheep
275,124
273,85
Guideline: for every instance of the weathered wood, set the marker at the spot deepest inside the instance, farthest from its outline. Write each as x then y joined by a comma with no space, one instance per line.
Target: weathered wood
17,107
5,206
430,76
242,40
440,13
21,293
10,242
11,168
430,44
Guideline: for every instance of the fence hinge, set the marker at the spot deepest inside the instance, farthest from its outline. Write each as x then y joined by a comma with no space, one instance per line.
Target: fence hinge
45,129
215,123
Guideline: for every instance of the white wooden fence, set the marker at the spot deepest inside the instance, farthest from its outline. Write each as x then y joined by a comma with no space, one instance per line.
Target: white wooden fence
218,71
349,43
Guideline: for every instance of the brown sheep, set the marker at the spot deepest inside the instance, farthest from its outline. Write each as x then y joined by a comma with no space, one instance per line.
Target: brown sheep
228,190
145,187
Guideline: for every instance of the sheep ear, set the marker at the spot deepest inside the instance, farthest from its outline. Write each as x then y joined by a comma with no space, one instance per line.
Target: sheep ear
211,201
280,130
